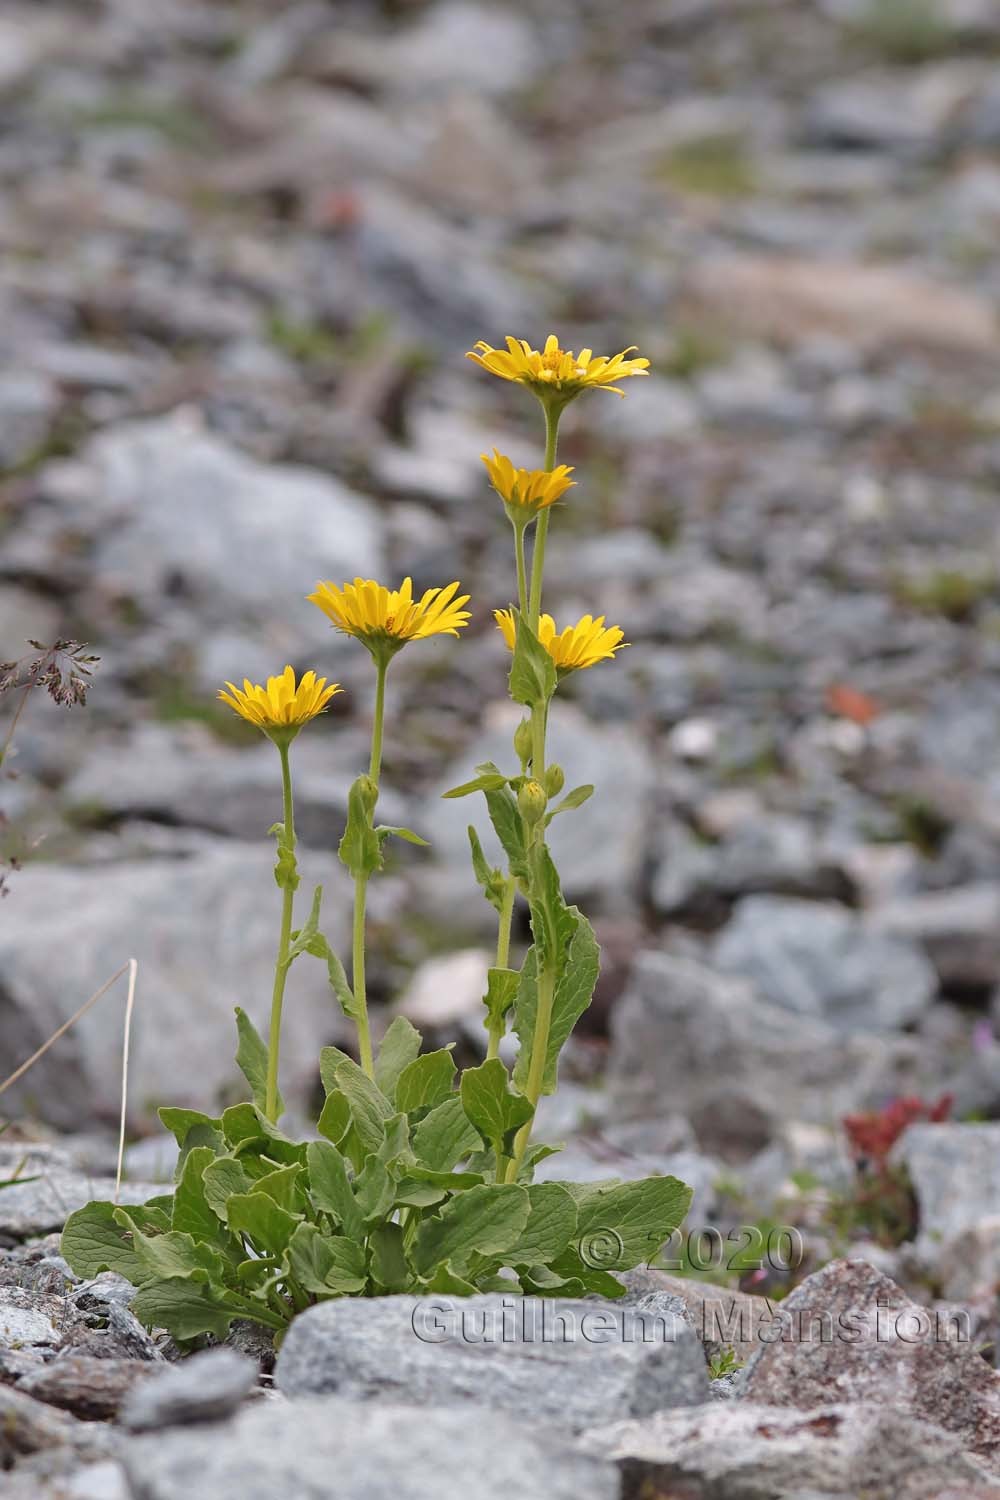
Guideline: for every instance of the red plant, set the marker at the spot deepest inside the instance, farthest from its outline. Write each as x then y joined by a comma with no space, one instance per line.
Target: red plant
873,1135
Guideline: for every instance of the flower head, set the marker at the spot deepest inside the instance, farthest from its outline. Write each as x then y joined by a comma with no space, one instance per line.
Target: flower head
555,373
280,708
526,491
581,645
385,619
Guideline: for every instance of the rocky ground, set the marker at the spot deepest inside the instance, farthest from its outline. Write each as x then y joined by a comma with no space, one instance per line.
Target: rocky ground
244,247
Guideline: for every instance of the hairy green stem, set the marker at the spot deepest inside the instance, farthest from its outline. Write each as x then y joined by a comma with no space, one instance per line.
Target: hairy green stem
361,887
503,957
284,942
522,573
536,1070
539,718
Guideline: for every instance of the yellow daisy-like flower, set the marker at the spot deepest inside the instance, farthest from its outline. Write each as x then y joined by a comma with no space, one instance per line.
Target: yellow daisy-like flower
581,645
280,706
555,372
385,619
526,491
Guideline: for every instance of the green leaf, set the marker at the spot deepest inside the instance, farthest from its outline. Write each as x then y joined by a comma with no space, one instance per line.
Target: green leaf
506,820
251,1059
369,1107
490,782
447,1281
360,848
220,1179
490,878
551,1226
574,1272
573,993
285,869
94,1241
374,1190
192,1213
310,940
247,1128
501,992
395,1149
190,1127
426,1081
400,1045
188,1308
162,1256
576,798
444,1136
282,1187
488,1102
534,1154
640,1216
324,1264
389,1268
330,1059
335,1117
330,1187
484,1221
532,678
259,1217
384,831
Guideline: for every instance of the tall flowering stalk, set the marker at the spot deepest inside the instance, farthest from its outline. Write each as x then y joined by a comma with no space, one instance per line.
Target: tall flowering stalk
416,1179
563,949
279,710
383,620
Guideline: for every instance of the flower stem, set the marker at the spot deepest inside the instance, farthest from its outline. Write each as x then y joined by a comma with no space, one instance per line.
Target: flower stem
361,886
522,575
535,601
503,957
536,1071
284,942
542,529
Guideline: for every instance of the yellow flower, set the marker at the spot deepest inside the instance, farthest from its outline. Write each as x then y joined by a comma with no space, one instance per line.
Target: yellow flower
526,491
556,371
281,706
581,645
385,619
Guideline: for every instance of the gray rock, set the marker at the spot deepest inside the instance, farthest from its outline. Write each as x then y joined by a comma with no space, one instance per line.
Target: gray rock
820,960
850,1333
749,1451
92,1389
454,42
959,930
204,929
50,1191
206,1387
685,1038
366,1452
955,1171
182,775
570,1363
174,510
27,408
23,1323
28,1427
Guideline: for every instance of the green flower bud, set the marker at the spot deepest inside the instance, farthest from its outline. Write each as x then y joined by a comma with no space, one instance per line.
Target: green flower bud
522,741
532,801
555,780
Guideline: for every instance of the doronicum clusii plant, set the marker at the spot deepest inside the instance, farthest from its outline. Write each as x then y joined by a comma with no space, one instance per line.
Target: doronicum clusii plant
418,1179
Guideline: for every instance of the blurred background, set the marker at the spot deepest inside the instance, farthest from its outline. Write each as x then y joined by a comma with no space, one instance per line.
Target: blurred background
244,247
